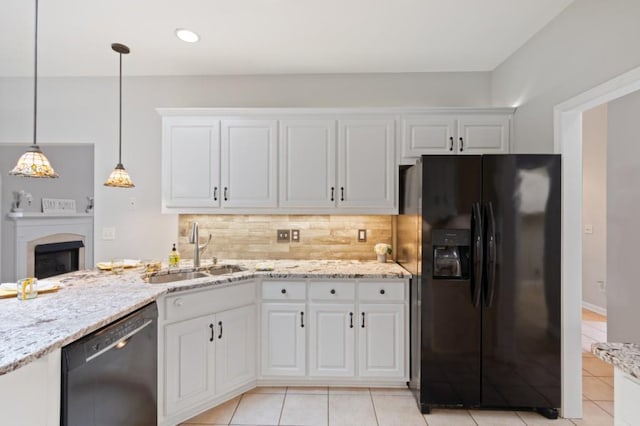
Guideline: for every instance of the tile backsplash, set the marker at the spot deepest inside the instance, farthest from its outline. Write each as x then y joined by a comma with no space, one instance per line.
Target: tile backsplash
255,236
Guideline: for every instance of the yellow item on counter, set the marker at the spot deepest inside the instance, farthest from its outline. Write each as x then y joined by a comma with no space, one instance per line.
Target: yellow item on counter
174,257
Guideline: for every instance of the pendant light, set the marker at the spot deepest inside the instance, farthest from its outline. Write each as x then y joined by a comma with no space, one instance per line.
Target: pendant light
34,163
119,177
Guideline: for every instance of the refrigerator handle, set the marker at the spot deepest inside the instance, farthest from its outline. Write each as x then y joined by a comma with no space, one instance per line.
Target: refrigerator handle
491,254
478,254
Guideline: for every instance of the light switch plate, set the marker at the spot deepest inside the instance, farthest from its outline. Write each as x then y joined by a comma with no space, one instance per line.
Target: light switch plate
362,235
283,236
588,229
295,235
109,233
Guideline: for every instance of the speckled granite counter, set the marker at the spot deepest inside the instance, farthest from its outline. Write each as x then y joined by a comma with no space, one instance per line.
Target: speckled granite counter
625,356
89,300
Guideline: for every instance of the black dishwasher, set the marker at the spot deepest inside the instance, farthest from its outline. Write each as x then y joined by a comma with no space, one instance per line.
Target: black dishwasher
109,377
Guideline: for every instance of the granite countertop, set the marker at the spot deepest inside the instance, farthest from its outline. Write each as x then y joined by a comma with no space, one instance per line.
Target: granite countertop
91,299
625,356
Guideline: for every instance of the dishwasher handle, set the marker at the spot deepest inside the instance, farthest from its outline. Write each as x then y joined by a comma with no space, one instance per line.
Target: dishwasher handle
120,343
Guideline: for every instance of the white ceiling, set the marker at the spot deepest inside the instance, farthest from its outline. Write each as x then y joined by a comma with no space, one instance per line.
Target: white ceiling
268,36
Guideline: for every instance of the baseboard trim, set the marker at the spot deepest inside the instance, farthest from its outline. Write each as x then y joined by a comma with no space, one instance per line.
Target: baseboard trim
594,308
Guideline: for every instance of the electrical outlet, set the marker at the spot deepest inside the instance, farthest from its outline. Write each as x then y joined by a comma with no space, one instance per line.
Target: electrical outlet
588,229
362,235
283,236
602,286
295,235
109,233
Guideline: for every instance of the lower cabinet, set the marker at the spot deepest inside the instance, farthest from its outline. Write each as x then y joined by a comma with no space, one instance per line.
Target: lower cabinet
283,339
381,341
235,348
332,340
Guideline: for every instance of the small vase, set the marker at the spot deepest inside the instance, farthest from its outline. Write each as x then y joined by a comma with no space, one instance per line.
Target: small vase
382,258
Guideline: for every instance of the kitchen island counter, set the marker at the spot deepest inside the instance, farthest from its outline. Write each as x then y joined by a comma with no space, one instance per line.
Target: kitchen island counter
625,356
91,299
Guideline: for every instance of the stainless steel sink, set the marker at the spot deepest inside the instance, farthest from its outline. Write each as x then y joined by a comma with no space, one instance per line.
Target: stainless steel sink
177,276
223,269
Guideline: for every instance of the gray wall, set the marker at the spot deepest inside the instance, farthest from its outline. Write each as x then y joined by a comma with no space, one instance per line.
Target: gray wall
74,163
594,207
589,43
623,233
80,110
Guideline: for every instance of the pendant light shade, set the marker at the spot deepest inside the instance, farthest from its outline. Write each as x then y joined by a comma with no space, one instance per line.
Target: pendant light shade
34,163
119,177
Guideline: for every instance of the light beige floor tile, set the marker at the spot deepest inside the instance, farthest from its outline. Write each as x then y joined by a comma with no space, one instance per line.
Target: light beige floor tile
607,380
444,417
596,390
391,391
351,410
313,390
305,410
496,418
397,410
593,415
349,391
535,419
606,406
258,409
597,367
269,389
218,415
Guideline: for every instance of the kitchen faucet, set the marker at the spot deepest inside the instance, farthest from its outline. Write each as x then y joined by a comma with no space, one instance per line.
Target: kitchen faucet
194,239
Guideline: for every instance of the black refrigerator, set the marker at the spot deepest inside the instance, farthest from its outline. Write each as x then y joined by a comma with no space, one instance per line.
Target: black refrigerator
481,236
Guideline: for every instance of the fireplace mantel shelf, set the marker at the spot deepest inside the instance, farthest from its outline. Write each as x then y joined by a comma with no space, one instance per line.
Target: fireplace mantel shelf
16,216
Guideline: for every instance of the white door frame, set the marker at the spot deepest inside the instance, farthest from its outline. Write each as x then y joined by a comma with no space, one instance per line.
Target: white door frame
568,142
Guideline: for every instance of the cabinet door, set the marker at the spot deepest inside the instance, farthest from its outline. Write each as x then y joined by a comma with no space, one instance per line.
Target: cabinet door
249,163
483,134
428,135
235,348
307,163
381,340
189,363
366,164
283,339
191,162
332,340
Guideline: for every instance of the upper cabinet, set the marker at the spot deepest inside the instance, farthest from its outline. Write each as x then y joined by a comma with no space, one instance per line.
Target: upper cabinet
461,132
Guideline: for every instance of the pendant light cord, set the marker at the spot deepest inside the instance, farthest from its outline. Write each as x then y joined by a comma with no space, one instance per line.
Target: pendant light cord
120,116
35,81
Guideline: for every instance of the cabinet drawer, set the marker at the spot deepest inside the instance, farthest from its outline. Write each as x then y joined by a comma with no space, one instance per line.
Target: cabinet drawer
381,291
284,290
203,302
332,290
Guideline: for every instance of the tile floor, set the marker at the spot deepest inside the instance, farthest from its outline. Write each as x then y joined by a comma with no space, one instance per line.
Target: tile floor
302,406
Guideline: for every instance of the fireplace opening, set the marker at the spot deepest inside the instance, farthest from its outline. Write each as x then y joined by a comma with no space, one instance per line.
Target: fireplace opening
57,258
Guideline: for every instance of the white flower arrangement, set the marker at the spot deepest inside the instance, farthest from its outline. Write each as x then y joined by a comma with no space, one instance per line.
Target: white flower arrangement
382,248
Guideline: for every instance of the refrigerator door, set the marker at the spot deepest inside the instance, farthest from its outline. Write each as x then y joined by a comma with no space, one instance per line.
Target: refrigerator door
450,323
521,294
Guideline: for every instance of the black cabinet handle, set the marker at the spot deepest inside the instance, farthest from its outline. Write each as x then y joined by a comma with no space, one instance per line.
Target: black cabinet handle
382,291
225,193
215,193
450,143
363,320
342,193
350,319
333,189
302,319
283,291
333,291
220,325
211,327
461,145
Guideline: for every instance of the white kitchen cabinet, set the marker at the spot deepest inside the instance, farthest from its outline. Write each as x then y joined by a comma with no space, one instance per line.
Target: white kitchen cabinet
189,371
235,347
332,340
283,339
249,163
366,164
381,351
307,163
454,133
191,162
627,395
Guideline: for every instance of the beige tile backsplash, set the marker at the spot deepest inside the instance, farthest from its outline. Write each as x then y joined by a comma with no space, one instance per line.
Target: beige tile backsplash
254,236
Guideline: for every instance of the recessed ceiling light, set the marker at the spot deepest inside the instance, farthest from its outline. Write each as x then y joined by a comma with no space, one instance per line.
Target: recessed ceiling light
187,35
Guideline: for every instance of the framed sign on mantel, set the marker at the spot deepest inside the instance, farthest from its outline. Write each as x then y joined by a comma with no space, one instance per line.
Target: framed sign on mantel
57,206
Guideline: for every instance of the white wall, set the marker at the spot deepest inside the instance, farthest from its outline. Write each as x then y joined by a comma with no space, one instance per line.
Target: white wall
594,207
78,110
590,42
623,232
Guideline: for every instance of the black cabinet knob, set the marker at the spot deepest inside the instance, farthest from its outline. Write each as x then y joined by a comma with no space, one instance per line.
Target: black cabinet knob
382,291
333,291
284,291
